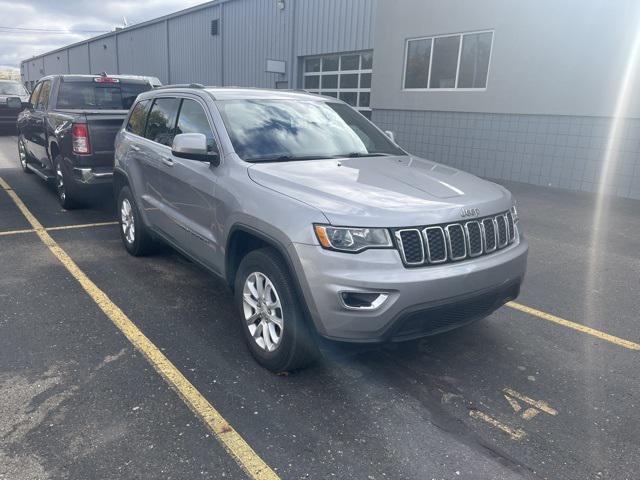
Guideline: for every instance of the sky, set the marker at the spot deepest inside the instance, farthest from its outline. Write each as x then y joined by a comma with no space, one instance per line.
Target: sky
23,24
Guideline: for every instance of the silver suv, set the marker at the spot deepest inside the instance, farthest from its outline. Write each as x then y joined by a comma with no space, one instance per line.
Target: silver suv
316,219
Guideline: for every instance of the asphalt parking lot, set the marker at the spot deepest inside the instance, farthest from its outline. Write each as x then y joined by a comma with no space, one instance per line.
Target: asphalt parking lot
522,394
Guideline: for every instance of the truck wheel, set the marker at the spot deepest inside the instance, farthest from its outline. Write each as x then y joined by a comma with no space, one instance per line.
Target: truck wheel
270,313
135,236
22,155
63,185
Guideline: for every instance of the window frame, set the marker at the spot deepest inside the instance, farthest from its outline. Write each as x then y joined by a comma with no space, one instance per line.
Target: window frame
207,116
461,35
45,103
146,117
339,73
175,120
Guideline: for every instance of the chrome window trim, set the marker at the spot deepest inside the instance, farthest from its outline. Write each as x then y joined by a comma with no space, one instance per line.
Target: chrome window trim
398,235
468,239
464,242
426,242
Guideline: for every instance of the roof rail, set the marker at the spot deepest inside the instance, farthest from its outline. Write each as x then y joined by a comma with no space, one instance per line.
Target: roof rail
182,85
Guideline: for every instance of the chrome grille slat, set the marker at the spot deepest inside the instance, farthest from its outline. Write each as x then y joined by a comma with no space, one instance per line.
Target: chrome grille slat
438,244
456,241
411,246
473,233
435,242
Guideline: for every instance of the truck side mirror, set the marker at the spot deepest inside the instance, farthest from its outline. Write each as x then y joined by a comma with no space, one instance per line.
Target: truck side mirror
14,103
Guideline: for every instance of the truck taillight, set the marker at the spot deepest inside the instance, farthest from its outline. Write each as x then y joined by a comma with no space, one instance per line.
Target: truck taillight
80,139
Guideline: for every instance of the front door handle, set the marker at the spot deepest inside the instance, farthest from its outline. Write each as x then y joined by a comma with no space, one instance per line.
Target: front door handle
135,148
167,161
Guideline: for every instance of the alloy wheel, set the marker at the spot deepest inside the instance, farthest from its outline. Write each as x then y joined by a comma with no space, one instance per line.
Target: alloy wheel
60,183
22,153
262,311
127,221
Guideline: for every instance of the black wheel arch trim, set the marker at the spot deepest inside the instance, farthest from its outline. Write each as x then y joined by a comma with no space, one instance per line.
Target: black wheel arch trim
282,250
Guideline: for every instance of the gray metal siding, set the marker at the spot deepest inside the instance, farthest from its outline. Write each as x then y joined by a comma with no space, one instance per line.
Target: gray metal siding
549,150
254,31
79,59
103,59
195,55
327,26
549,57
56,63
143,51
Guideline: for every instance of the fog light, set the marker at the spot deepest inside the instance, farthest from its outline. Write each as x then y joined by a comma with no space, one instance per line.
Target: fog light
362,300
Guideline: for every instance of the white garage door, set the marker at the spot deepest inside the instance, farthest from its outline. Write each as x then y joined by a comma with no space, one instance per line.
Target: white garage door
346,76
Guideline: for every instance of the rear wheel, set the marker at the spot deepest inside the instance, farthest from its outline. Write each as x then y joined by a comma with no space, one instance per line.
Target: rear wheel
64,190
271,316
135,235
23,156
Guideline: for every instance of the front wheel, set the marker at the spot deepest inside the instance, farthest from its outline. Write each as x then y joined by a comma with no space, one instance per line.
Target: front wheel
135,236
23,156
271,315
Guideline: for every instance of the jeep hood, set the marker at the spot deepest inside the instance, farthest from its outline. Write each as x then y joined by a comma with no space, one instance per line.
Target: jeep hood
382,191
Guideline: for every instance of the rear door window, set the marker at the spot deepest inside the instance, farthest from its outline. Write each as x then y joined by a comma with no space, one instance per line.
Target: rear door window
90,95
193,119
162,121
43,97
138,118
34,96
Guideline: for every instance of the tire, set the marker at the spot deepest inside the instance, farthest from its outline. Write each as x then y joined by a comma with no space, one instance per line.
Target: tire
23,156
64,186
287,343
135,236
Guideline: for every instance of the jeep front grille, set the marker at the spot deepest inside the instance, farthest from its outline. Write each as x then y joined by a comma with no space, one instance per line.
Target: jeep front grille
453,242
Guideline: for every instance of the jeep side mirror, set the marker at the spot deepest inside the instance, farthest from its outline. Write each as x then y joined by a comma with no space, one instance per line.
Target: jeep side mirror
390,134
193,146
14,103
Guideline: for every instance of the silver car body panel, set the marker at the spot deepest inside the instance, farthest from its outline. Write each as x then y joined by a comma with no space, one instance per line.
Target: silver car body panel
196,206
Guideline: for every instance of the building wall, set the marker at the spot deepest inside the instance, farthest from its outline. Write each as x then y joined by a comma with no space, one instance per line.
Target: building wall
79,59
555,73
549,57
143,51
102,55
56,63
194,54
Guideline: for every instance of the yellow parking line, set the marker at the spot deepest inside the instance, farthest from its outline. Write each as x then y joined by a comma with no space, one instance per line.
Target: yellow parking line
62,227
576,326
514,433
16,232
82,225
231,440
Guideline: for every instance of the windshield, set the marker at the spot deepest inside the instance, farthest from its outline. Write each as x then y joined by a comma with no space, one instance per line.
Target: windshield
11,88
281,130
99,96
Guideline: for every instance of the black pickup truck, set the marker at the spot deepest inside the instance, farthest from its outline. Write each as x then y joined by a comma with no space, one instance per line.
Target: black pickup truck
67,131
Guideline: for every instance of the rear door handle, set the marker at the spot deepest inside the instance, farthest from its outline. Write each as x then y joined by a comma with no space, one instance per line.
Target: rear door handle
135,148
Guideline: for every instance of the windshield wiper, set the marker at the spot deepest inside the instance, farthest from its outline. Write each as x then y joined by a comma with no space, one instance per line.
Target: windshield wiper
361,154
285,158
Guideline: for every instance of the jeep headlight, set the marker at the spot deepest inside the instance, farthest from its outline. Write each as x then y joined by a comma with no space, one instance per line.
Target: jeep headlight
348,239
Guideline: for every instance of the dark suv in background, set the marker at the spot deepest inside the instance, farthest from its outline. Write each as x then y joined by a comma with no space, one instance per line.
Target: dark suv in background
13,97
67,131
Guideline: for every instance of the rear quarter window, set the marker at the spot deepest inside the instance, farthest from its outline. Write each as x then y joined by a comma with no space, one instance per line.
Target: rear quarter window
138,118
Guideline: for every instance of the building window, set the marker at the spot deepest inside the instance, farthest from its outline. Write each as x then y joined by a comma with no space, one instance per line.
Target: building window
344,76
448,62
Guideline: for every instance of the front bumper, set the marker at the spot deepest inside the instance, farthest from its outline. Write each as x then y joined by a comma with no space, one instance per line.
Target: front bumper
421,301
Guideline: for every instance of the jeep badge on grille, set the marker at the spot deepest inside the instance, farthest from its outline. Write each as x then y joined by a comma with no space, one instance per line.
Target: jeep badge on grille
469,212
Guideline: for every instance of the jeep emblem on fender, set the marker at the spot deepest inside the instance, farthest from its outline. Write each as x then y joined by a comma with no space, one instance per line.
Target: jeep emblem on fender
469,212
